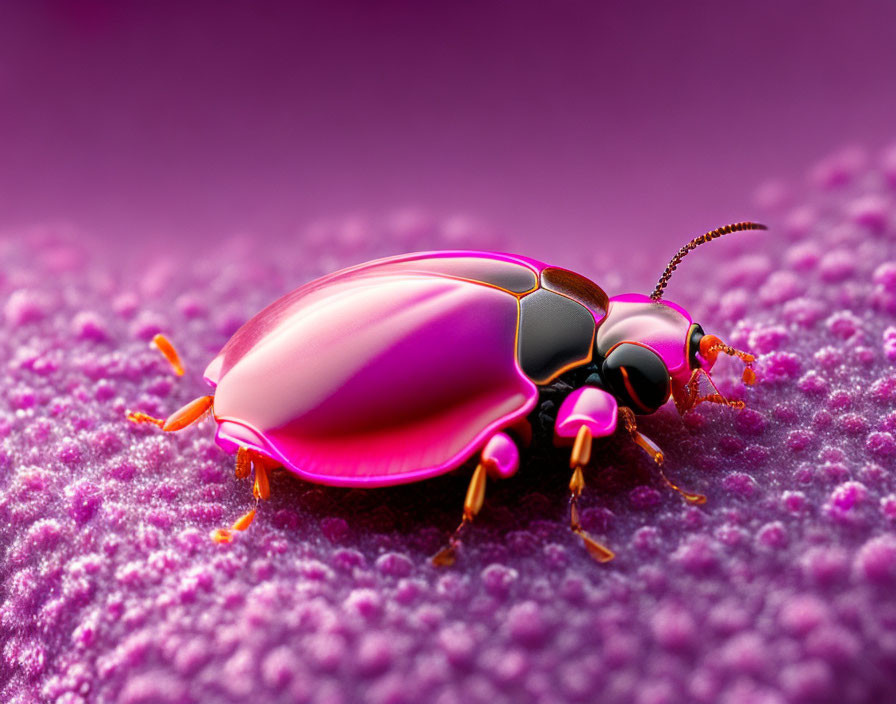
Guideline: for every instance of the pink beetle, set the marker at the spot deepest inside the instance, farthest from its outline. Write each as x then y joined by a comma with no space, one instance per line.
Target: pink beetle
403,368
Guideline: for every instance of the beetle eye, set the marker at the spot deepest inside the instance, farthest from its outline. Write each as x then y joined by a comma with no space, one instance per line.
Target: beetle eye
637,376
695,334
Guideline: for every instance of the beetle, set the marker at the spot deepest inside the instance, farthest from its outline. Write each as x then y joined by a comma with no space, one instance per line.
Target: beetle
403,368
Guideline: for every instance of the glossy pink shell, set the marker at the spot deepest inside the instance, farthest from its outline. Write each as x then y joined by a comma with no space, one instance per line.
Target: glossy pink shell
375,375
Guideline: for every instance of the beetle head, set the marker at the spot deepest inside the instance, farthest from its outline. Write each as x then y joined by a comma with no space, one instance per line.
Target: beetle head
650,350
702,350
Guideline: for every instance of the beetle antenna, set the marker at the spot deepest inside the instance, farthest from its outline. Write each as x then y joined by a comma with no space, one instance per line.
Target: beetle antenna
696,242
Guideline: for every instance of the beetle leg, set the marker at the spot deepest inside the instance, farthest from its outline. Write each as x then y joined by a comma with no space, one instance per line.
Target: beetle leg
645,443
243,462
652,449
690,396
579,457
686,397
180,419
499,459
190,413
717,397
163,345
261,489
225,535
587,413
246,459
472,504
140,417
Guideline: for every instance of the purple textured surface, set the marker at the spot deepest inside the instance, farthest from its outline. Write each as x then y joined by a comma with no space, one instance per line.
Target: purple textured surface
782,588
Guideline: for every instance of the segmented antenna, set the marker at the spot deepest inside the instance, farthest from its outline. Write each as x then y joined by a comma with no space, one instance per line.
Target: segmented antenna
696,242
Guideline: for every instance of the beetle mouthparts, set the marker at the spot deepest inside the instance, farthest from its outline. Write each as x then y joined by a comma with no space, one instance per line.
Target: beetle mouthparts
710,346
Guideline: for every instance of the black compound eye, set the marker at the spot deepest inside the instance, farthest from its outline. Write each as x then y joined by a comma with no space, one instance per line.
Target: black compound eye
637,376
694,336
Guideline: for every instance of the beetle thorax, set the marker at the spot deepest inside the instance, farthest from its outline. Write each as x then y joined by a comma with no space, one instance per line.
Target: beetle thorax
661,326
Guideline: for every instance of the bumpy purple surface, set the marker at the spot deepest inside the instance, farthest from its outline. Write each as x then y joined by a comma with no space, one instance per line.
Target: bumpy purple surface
782,588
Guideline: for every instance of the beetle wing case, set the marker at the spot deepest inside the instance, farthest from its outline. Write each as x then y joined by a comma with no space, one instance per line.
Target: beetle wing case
375,376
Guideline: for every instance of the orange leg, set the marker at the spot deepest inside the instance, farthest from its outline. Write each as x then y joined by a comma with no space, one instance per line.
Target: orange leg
580,456
225,535
246,459
717,397
140,417
178,420
243,462
185,416
163,344
499,459
710,347
652,449
686,398
472,505
261,490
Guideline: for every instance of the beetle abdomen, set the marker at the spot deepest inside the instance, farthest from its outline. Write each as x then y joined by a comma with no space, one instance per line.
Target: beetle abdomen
378,380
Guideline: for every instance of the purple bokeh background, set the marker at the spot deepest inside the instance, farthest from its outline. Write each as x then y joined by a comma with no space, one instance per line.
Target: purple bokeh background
565,124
